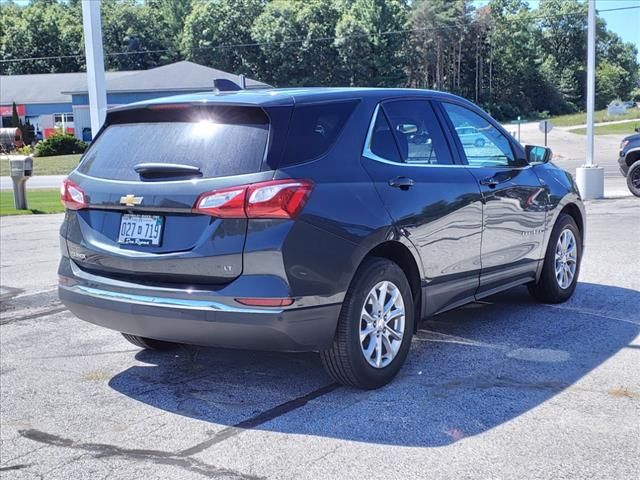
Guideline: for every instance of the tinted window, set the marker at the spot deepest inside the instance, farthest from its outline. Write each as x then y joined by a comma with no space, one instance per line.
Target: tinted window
417,133
382,142
483,144
314,129
218,146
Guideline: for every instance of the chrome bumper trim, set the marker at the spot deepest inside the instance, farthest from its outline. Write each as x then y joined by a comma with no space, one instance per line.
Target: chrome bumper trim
168,302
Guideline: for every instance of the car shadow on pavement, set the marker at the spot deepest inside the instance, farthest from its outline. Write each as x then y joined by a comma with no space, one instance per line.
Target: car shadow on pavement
468,371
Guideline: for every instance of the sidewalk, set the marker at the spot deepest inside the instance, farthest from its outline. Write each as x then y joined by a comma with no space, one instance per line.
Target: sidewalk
40,181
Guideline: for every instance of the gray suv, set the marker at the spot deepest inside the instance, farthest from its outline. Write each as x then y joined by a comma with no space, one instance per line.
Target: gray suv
314,219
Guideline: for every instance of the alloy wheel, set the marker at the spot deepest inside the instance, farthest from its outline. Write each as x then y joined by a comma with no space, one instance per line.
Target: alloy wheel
382,324
635,178
566,259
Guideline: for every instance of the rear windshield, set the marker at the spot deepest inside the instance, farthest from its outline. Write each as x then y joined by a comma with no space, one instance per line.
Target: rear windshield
220,143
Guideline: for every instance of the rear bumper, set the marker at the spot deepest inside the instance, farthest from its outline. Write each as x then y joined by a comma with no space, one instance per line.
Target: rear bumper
200,319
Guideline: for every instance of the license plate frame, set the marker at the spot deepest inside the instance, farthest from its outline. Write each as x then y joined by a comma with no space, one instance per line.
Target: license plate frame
139,230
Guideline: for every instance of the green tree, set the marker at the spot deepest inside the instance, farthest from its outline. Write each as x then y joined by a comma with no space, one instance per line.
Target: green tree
134,35
15,118
612,51
371,42
563,25
218,34
439,29
297,43
42,29
517,84
610,84
174,13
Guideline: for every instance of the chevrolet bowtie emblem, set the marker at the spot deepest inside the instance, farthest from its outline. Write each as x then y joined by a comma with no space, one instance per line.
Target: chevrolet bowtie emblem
130,200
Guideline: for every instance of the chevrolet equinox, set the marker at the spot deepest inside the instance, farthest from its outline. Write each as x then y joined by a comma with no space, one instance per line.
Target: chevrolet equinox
329,220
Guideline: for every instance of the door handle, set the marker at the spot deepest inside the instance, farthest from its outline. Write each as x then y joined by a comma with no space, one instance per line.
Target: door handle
403,183
490,182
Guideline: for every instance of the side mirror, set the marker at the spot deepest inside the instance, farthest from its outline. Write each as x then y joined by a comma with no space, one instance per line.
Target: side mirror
407,128
538,154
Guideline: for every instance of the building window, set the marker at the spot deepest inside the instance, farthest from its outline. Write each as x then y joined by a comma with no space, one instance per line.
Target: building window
62,118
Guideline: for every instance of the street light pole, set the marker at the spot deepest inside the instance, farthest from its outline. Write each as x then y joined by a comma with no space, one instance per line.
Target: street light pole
591,79
590,177
95,63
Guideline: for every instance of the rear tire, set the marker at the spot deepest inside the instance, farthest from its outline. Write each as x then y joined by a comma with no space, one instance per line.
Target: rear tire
558,279
149,343
353,357
633,178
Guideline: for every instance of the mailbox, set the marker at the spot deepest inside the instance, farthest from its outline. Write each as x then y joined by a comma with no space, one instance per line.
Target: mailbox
21,171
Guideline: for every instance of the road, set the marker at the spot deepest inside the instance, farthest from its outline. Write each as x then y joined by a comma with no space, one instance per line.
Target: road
38,181
500,389
569,149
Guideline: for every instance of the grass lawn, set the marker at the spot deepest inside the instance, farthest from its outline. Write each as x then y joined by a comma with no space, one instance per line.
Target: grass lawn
600,116
39,201
59,165
615,129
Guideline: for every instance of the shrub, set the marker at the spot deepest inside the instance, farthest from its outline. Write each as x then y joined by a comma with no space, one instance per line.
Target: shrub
59,144
25,150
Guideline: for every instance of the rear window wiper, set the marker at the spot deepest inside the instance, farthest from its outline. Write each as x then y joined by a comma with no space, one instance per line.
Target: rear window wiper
164,170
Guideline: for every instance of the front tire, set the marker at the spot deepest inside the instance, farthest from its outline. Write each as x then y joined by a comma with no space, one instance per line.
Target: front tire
149,343
633,178
374,329
561,263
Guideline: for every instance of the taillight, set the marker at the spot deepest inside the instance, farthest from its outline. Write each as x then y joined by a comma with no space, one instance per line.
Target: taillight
225,203
72,196
271,199
277,198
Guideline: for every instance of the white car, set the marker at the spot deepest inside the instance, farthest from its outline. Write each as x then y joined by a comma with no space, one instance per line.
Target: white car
471,136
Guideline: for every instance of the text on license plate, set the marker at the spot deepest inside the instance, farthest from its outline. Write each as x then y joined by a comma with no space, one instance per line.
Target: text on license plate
140,229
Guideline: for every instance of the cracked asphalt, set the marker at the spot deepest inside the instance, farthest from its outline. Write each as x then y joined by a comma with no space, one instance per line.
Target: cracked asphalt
501,389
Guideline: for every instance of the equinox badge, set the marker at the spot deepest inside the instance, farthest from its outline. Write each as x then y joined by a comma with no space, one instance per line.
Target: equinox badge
130,200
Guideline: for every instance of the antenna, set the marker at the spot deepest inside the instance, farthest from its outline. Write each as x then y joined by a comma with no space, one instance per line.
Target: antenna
225,85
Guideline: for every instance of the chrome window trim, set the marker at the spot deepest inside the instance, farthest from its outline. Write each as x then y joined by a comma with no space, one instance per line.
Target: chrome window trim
367,152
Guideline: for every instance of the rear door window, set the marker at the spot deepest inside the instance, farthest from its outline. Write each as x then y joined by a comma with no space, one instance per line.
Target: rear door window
416,131
220,143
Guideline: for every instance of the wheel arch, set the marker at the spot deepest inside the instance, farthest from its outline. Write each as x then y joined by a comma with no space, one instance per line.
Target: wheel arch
400,254
632,156
574,212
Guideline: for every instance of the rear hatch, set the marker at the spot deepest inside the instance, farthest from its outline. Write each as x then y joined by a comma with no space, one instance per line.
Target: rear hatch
140,180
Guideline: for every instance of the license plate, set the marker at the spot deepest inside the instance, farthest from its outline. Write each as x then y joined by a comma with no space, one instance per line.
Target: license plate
140,229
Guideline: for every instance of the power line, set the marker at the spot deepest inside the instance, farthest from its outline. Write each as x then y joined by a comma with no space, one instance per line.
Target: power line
243,45
618,8
291,41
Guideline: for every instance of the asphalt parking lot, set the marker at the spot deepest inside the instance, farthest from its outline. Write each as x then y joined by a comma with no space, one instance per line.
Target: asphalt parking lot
499,389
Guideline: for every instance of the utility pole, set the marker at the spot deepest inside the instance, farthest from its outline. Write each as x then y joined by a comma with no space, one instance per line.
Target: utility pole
590,177
95,63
